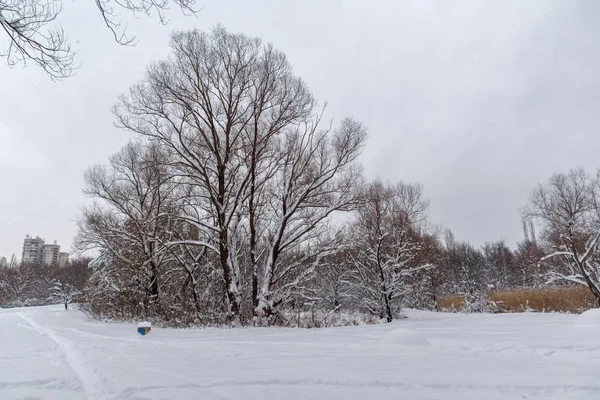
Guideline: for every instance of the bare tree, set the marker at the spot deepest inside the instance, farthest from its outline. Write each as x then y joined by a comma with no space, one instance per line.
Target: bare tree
136,192
281,100
33,34
467,267
385,242
532,269
568,206
335,283
317,176
424,286
223,105
18,282
499,265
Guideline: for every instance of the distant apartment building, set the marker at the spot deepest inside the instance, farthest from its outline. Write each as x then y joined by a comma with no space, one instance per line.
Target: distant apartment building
33,249
63,259
36,251
50,254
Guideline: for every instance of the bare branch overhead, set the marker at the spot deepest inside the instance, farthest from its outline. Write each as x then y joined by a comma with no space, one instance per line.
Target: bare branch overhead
34,34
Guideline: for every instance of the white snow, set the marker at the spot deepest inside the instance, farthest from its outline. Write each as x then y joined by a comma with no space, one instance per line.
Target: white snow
404,337
144,325
50,353
590,318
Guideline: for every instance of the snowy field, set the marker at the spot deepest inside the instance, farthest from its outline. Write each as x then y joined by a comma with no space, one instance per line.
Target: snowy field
47,353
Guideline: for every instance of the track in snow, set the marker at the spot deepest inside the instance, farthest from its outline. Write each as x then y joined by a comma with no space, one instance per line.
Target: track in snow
93,387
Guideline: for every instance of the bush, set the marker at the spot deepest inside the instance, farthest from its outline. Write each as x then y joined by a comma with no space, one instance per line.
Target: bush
323,319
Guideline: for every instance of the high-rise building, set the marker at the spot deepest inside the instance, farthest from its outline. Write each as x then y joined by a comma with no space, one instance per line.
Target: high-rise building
63,259
36,251
51,254
33,249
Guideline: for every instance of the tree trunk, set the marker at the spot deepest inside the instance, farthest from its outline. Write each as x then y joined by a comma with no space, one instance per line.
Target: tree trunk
388,309
384,289
230,284
252,211
253,260
190,280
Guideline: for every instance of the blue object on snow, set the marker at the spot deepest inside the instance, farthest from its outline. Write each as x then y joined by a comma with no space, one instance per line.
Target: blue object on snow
144,328
143,331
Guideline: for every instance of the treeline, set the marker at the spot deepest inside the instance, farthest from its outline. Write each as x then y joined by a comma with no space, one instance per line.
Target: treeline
28,284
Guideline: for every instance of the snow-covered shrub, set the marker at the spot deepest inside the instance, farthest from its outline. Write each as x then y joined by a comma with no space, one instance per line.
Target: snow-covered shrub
325,319
478,302
62,293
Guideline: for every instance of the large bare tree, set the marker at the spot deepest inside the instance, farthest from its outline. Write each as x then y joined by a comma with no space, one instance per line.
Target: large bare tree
262,176
568,206
33,34
217,104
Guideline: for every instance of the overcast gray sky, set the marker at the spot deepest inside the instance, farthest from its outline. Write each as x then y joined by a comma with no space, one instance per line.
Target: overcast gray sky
477,100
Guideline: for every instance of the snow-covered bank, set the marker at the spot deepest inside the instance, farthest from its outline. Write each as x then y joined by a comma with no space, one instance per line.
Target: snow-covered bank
48,353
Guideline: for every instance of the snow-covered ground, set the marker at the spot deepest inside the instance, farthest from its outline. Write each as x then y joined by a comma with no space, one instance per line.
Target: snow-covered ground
47,353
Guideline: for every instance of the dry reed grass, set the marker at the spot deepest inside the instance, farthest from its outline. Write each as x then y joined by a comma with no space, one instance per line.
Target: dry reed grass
558,299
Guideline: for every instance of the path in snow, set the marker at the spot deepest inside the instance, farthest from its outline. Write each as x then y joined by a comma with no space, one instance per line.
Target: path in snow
31,365
52,354
93,388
